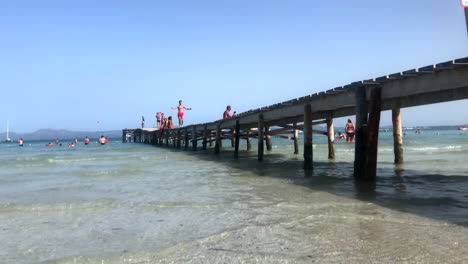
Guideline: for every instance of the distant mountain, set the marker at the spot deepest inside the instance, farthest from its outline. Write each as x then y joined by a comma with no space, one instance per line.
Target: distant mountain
62,134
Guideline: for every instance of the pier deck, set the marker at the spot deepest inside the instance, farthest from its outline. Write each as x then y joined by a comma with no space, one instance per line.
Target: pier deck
442,82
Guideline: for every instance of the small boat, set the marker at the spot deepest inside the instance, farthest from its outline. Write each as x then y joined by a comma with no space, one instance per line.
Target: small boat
463,127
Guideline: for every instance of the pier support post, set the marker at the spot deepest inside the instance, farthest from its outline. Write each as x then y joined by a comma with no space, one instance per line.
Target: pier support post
296,139
179,137
124,136
373,133
237,138
205,137
174,137
194,138
167,138
219,142
249,141
397,136
186,139
360,147
331,138
308,154
210,144
233,140
261,130
268,138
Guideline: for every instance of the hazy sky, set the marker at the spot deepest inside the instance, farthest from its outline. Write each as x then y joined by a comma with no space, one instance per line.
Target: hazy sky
69,64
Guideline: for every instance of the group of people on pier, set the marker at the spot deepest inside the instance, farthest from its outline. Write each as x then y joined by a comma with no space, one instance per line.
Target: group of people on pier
163,122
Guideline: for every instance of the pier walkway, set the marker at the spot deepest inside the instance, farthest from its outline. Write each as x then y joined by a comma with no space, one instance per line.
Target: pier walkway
442,82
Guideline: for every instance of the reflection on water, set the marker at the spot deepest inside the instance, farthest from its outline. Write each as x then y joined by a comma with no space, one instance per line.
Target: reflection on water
131,203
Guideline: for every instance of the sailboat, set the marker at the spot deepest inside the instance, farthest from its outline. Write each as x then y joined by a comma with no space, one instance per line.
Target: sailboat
8,139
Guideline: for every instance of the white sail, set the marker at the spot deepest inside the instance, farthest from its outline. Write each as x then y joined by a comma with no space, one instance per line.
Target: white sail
8,139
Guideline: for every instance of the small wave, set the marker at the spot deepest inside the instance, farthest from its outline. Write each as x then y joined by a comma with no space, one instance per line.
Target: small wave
65,206
433,148
70,160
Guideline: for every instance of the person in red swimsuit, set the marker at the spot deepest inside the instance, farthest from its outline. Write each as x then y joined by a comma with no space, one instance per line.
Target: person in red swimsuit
180,112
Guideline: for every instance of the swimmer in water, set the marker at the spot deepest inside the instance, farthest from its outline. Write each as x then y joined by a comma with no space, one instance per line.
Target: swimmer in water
102,140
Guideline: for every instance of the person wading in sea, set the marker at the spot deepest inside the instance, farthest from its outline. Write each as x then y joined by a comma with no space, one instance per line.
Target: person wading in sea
349,128
180,112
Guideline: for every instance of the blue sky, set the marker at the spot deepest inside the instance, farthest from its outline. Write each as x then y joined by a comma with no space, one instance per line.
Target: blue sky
68,64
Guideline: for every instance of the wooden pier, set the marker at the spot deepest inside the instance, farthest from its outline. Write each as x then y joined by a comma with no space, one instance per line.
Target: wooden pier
442,82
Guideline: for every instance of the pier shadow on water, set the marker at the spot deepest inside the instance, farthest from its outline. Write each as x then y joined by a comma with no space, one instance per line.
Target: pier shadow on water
439,197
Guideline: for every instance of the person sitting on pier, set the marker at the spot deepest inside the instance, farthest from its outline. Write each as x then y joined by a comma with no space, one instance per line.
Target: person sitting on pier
180,112
227,113
158,119
349,131
170,124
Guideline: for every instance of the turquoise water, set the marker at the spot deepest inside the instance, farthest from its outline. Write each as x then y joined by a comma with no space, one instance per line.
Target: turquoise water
134,203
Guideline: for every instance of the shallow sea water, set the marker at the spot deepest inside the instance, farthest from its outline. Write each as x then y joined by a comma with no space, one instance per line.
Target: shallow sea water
134,203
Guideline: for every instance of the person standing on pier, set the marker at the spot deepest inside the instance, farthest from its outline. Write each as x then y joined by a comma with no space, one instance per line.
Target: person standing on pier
158,119
349,128
227,113
180,112
142,122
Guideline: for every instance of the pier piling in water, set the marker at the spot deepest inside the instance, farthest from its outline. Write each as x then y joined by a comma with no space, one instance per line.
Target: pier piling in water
331,138
360,147
261,130
308,155
397,136
219,142
237,139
